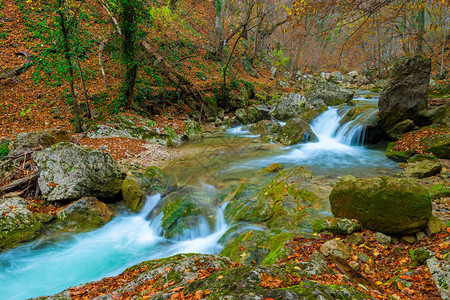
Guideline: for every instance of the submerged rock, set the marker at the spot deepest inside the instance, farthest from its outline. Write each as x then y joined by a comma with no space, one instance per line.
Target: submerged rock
421,166
273,168
85,214
406,92
389,205
71,172
17,223
137,186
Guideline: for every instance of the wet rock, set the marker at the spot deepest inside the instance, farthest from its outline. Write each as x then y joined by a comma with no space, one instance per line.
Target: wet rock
44,138
138,185
400,128
335,248
388,205
192,130
17,223
406,92
85,214
187,210
439,270
296,131
273,168
71,172
382,238
421,166
281,204
336,225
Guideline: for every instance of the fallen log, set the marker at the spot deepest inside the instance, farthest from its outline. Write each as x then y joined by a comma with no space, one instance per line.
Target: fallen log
20,69
19,182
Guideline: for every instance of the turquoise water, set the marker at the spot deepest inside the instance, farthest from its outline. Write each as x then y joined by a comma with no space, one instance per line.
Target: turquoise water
50,265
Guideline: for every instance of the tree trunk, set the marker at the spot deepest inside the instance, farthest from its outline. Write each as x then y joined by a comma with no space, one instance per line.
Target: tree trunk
220,12
129,28
68,58
420,27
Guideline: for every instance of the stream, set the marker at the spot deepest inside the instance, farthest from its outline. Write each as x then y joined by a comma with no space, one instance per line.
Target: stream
55,262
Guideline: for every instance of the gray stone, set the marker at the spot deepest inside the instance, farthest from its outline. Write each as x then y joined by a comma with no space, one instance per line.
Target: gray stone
31,140
382,238
289,106
17,223
335,248
439,270
331,93
336,225
420,235
71,172
355,239
406,93
85,214
411,239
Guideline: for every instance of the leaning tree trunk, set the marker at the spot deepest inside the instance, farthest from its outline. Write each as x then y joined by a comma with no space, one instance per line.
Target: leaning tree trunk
129,29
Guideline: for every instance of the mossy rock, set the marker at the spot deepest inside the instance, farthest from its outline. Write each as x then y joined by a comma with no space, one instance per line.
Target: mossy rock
84,215
438,144
355,112
421,166
389,205
296,131
273,168
439,190
265,127
192,130
17,223
420,255
137,186
395,155
282,204
335,225
185,211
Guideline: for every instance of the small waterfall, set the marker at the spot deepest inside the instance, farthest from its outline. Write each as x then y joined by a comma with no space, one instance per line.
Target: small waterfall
328,129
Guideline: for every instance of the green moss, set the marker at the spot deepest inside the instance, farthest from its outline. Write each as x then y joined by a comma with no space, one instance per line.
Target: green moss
439,191
419,255
355,112
132,194
176,217
335,225
309,290
273,168
395,155
277,249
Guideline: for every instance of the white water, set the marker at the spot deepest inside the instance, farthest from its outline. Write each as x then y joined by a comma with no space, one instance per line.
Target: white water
48,267
335,149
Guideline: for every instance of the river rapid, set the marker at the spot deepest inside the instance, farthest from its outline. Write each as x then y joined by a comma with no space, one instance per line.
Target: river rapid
55,262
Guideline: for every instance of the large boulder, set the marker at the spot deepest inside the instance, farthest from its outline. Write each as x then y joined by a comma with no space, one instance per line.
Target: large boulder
421,166
72,172
296,131
330,92
388,205
252,114
138,185
85,214
31,140
17,223
281,205
406,92
297,105
438,144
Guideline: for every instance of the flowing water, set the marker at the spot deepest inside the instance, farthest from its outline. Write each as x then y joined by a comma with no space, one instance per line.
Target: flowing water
54,263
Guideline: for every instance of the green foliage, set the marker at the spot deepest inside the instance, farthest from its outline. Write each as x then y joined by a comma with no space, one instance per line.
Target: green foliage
170,132
280,60
439,91
4,149
162,17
